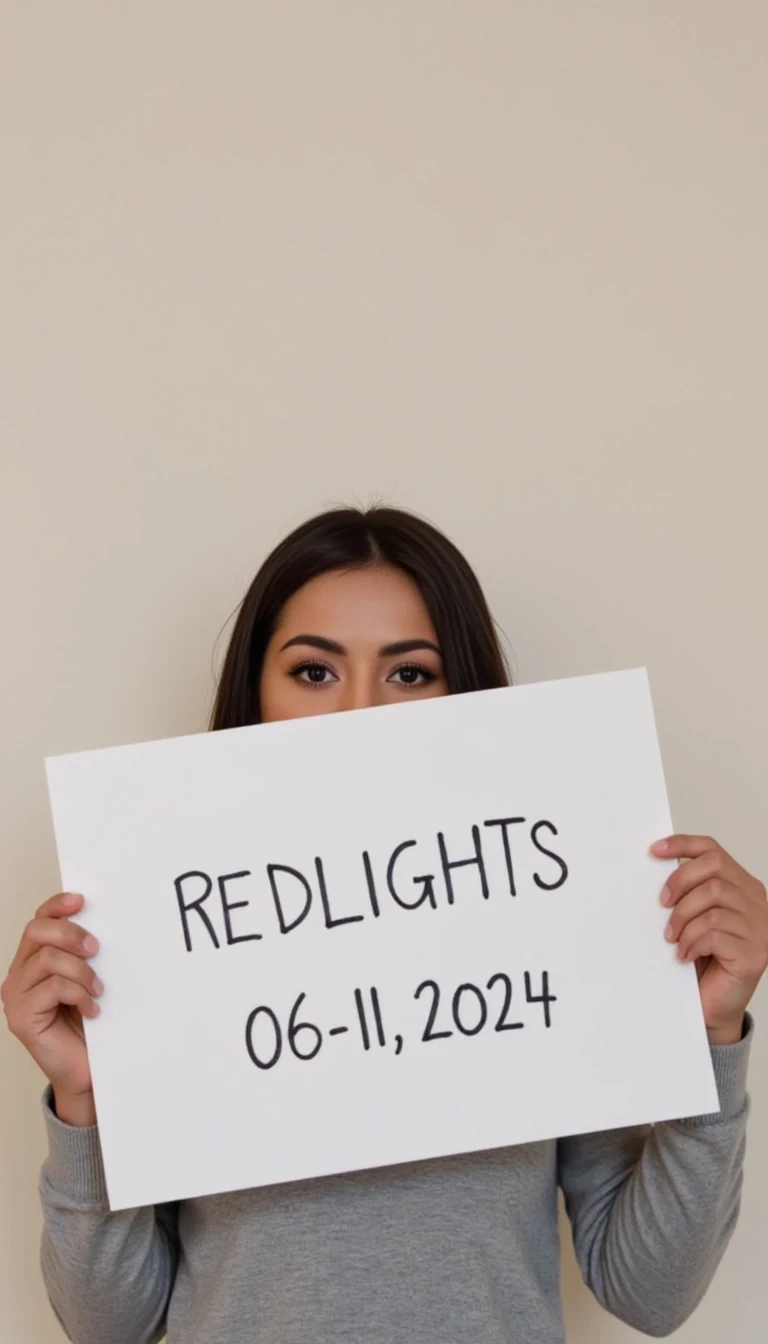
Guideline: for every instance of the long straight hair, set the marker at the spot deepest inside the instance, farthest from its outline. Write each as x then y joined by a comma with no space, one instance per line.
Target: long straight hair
344,539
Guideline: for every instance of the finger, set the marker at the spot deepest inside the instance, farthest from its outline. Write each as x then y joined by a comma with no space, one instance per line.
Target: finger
55,933
724,947
46,997
686,847
50,961
60,906
710,895
714,921
714,864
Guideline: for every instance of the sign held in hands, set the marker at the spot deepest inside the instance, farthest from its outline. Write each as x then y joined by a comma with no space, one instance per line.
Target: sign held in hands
360,939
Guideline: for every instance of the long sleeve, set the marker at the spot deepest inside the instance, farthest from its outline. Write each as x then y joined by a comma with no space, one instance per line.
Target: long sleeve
108,1276
653,1209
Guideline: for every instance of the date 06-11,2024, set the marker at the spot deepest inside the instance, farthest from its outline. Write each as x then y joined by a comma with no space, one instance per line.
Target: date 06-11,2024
471,1010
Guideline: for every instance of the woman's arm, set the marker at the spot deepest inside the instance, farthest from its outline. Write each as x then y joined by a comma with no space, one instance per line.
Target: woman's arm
109,1276
652,1211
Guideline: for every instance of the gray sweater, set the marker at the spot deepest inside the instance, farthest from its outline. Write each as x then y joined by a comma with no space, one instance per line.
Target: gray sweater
462,1250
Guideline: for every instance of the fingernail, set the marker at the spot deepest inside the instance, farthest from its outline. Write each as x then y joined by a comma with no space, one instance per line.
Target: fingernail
660,846
70,898
669,932
96,1009
666,896
98,987
90,946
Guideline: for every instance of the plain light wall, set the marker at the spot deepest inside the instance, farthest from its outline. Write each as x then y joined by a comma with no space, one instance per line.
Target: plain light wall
504,263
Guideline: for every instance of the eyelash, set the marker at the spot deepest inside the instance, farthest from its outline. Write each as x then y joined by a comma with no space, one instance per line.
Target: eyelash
304,666
417,667
318,685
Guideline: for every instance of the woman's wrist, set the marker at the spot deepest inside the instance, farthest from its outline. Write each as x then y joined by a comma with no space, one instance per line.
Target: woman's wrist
730,1033
77,1110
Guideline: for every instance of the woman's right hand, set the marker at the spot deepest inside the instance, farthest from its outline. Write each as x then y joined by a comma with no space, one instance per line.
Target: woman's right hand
49,989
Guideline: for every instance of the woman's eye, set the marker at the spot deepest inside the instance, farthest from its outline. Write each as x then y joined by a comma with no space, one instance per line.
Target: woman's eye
410,674
313,674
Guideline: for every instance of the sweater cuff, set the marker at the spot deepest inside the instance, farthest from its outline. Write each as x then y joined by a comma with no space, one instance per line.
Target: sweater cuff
74,1166
730,1065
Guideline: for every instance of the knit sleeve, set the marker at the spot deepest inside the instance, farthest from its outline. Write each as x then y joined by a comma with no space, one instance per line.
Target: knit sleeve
653,1208
109,1276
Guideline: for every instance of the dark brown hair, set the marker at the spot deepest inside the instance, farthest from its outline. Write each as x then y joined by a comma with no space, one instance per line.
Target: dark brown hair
350,539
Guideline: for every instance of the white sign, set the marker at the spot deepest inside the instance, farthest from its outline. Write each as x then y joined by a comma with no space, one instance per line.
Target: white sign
374,937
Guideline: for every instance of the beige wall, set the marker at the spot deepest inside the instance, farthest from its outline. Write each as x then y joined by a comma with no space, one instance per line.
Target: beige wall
502,262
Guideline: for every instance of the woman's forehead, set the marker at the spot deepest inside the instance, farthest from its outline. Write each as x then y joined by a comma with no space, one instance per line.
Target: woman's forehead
369,602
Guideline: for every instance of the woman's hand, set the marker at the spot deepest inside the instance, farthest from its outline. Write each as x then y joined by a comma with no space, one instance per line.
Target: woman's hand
49,989
719,919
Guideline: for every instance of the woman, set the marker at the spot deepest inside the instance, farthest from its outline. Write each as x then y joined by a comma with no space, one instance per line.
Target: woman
355,609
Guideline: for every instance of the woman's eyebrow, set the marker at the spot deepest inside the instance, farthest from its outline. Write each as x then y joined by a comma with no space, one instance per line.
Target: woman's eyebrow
387,651
316,642
408,646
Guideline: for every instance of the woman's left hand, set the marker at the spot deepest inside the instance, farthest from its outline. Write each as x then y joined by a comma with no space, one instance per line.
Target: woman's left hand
719,920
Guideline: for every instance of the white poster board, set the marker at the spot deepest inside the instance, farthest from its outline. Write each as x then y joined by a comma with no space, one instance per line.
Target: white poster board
374,937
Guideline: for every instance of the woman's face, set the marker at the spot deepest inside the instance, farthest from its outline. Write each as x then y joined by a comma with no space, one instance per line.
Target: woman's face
350,640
